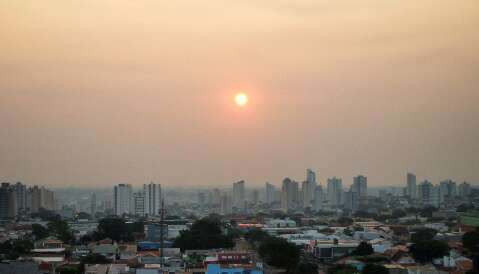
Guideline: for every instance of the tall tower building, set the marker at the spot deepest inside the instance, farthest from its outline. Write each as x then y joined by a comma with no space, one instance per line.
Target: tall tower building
318,198
429,194
226,204
351,200
289,194
239,195
153,197
335,189
93,204
464,190
139,203
411,186
123,199
8,201
21,192
447,190
360,186
308,188
270,193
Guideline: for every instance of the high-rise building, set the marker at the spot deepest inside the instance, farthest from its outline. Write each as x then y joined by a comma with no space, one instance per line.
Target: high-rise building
310,176
360,186
255,196
153,198
201,198
239,195
139,203
464,190
335,189
40,198
318,198
93,204
447,190
226,204
123,200
351,200
308,188
270,193
21,192
216,196
8,201
411,190
429,194
289,194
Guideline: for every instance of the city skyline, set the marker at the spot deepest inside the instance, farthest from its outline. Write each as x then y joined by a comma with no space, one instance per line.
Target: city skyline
94,94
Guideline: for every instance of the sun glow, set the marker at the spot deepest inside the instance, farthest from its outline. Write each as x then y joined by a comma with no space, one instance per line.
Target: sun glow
241,99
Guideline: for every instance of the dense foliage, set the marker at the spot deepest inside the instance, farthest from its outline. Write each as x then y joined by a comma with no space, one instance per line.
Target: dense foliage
288,258
426,251
363,249
342,269
470,240
12,249
204,234
117,229
374,269
424,234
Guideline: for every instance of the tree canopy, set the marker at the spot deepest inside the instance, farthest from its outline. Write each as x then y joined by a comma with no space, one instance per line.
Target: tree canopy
470,240
204,234
424,234
374,269
363,249
39,231
288,258
117,229
60,229
426,251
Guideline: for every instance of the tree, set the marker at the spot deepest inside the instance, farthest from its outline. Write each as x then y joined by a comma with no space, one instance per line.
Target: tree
374,269
306,267
113,228
83,215
470,240
342,269
423,234
95,259
428,211
39,231
345,221
363,249
204,234
256,235
60,229
426,251
398,213
288,258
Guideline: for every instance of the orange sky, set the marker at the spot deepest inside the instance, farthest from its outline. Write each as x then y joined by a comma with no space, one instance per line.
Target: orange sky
94,93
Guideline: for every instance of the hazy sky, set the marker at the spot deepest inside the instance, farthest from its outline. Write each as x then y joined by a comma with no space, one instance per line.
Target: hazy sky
94,93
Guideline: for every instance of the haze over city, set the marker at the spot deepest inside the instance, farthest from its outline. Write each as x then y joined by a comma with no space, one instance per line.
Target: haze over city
96,93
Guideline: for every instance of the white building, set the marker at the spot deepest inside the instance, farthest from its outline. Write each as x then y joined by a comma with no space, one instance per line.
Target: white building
153,197
239,195
139,198
308,188
123,199
335,189
270,193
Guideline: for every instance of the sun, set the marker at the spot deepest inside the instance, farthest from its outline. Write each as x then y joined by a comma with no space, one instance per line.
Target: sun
241,99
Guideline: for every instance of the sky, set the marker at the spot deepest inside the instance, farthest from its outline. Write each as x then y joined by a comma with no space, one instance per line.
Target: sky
95,93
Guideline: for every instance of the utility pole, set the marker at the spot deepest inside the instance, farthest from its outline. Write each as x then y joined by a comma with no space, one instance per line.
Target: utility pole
162,223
